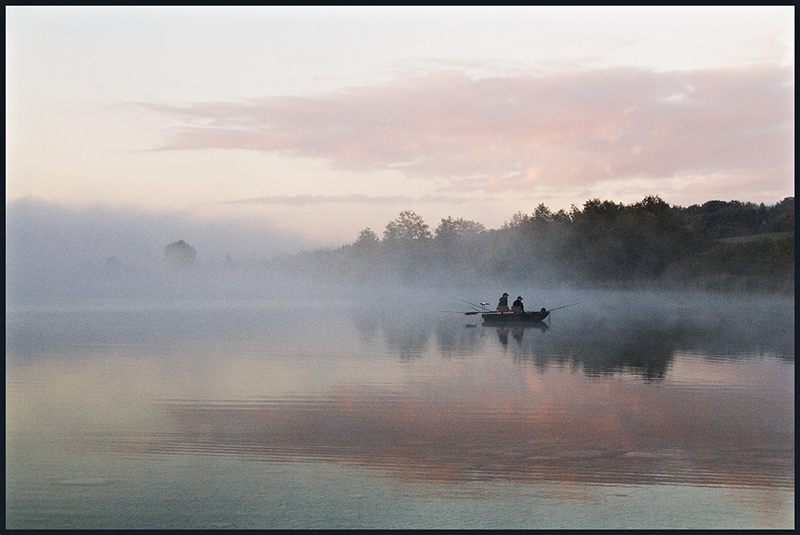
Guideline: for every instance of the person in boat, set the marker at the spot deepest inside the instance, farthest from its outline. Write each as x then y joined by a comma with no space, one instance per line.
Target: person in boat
518,307
502,306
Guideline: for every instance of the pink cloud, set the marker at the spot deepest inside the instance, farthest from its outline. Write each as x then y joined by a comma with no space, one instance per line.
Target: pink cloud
570,128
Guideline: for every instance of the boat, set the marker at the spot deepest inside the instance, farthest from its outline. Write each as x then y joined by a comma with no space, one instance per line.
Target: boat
510,317
502,318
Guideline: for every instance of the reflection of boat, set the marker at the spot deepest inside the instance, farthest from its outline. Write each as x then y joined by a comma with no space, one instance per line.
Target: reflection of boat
502,318
517,330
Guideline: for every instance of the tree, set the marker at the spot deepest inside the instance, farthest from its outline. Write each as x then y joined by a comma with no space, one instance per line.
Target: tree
456,241
596,211
408,227
518,220
450,229
542,214
367,241
180,254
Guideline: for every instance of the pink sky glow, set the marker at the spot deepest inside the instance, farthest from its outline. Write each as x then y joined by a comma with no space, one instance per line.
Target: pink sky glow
514,133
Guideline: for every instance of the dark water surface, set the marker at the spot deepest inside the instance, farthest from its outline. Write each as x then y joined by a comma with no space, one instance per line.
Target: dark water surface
626,411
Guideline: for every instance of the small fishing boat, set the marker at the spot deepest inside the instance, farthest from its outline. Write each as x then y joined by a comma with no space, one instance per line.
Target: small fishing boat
509,317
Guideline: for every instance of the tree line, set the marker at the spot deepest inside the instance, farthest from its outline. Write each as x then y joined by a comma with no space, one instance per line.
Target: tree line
716,245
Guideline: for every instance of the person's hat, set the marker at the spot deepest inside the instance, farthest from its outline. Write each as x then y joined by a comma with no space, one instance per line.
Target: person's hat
505,295
519,297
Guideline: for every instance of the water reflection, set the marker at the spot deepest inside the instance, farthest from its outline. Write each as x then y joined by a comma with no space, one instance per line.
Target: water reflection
651,396
517,332
558,427
639,348
639,342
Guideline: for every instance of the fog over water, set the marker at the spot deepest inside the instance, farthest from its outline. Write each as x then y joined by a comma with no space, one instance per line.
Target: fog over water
53,251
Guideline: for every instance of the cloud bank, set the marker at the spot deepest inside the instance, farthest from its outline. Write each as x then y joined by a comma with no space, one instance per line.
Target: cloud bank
513,133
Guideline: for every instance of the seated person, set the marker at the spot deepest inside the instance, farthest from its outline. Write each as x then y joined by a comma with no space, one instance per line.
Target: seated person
518,307
502,306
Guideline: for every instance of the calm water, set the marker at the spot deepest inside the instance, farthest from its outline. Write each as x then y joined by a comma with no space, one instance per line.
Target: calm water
626,411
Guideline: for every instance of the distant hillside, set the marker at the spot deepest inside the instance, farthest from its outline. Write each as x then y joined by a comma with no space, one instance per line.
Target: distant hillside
722,220
725,246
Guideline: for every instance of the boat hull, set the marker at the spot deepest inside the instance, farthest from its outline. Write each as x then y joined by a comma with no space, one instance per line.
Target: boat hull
499,318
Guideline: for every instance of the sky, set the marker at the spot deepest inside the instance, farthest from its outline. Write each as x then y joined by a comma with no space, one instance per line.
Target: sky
317,122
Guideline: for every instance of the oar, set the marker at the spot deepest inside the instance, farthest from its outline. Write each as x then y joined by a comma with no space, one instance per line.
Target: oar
461,312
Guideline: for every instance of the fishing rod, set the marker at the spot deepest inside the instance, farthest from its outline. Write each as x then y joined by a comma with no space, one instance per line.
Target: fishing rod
565,306
476,308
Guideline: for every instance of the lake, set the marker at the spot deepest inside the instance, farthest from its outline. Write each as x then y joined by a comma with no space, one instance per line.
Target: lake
626,410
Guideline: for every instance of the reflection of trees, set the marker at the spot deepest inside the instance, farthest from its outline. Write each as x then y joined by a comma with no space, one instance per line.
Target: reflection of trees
640,341
406,334
599,348
744,333
409,341
645,344
453,338
366,325
641,349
